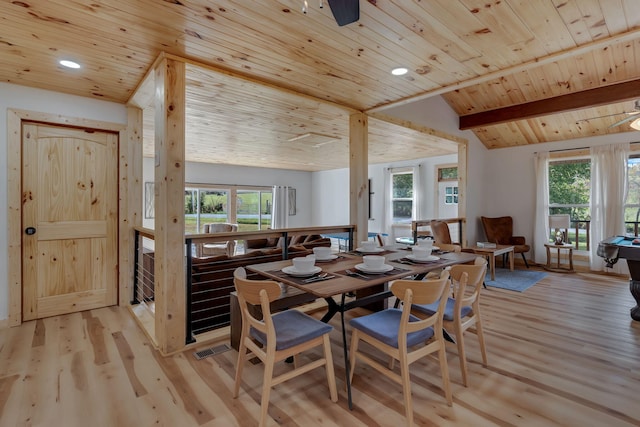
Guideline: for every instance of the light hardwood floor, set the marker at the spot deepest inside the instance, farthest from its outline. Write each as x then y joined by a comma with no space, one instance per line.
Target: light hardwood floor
563,353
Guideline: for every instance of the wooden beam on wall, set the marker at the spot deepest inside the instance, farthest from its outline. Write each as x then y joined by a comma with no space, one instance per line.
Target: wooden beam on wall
359,175
585,99
169,175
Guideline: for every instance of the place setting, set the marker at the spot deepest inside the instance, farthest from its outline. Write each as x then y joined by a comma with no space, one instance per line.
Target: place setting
421,254
367,247
372,267
304,271
324,254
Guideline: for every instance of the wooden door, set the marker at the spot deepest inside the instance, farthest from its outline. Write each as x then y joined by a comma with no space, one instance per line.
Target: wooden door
69,219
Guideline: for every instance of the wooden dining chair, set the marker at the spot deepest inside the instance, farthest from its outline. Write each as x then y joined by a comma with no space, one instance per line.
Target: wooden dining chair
277,337
403,336
462,310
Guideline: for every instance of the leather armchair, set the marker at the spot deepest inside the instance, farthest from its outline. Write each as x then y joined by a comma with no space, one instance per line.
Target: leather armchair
440,232
500,231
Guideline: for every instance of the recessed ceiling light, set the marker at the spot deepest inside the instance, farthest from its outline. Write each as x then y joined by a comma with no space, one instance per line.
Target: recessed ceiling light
400,71
69,64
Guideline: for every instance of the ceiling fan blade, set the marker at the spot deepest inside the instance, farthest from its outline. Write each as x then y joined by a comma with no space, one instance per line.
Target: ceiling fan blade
623,121
345,11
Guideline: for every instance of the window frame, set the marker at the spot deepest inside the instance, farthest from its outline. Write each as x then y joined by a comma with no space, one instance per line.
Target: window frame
232,200
402,171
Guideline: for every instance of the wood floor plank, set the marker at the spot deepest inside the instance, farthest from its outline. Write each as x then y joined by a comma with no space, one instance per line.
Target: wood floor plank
563,353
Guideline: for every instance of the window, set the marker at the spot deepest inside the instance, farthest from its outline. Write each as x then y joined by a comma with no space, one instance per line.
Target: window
632,204
569,193
402,195
451,195
253,209
204,205
448,173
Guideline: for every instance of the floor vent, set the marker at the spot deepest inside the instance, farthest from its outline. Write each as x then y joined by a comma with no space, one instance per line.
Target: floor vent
199,355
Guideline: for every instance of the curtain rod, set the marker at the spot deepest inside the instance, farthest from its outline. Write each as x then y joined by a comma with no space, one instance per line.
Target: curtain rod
559,150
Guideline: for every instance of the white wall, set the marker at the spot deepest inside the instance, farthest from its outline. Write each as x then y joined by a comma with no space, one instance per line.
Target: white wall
330,197
23,98
331,192
501,182
205,173
437,114
510,180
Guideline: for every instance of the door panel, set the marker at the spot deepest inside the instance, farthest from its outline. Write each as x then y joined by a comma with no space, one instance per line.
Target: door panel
69,183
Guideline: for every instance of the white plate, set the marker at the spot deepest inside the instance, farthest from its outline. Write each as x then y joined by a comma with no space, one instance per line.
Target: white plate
291,271
428,259
382,269
372,251
329,258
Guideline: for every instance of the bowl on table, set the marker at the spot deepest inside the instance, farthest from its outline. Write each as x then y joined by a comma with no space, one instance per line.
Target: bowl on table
322,252
368,245
304,264
425,243
373,262
421,252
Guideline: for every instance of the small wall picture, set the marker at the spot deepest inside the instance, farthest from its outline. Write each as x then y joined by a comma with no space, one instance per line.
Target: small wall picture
292,201
149,200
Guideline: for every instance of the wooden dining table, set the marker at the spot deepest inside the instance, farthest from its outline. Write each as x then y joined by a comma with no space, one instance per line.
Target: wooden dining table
343,278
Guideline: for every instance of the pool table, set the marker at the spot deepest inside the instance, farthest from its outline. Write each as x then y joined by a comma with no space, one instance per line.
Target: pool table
614,248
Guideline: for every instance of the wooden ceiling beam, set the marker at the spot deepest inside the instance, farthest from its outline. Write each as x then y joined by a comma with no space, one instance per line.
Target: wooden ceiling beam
629,36
618,92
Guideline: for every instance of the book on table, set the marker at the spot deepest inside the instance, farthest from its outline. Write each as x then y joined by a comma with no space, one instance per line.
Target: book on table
488,245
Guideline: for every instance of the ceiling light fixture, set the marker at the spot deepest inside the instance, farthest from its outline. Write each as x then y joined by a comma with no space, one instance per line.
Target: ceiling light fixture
305,6
635,124
69,64
314,139
400,71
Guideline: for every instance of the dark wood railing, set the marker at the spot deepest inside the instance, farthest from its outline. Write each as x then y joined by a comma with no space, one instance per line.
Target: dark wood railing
209,280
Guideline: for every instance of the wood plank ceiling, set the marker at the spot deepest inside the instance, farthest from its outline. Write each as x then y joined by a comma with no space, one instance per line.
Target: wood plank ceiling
479,55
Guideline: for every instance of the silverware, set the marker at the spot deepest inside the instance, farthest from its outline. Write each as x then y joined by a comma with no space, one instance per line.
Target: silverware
314,278
354,273
319,279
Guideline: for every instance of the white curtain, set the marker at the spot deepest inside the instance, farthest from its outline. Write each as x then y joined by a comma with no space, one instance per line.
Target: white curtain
541,224
280,210
387,221
608,196
418,192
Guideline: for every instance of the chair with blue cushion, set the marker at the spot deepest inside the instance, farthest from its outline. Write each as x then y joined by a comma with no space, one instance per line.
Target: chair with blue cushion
277,337
462,310
403,336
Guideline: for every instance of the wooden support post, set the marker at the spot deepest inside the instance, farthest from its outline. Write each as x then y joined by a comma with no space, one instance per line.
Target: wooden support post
169,205
359,175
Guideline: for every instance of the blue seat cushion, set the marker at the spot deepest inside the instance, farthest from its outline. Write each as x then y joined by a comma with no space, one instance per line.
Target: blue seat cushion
430,309
383,326
292,328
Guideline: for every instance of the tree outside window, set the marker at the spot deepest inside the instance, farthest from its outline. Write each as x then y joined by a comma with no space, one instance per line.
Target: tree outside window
402,196
632,205
569,193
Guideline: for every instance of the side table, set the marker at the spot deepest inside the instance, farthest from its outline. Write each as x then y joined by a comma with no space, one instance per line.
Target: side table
558,268
491,253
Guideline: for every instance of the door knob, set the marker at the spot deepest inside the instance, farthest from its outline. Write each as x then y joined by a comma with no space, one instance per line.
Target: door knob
30,230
